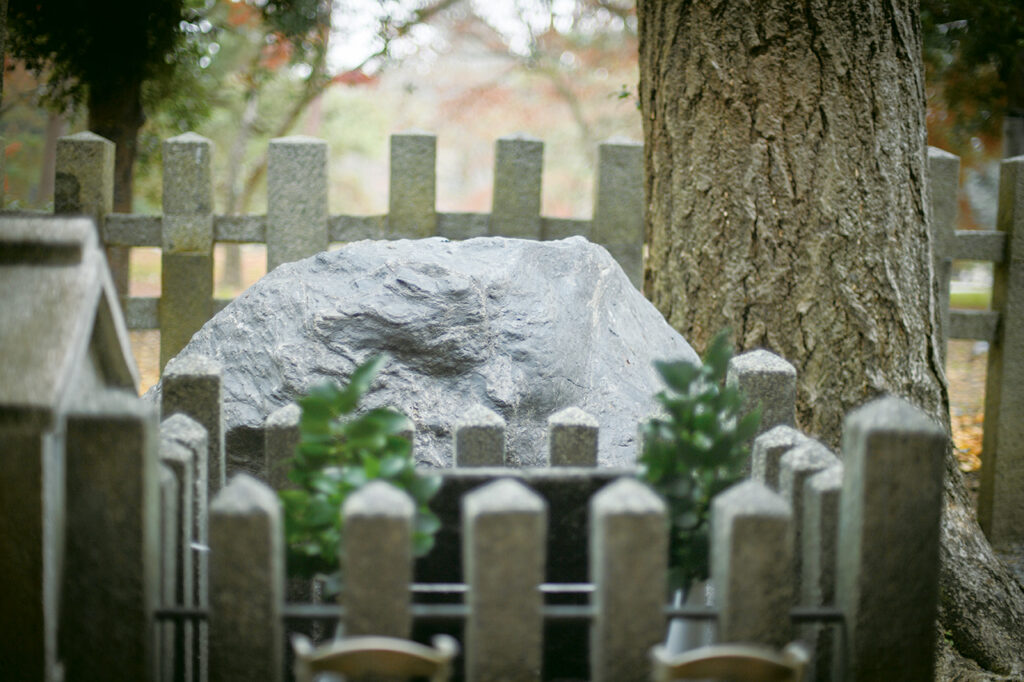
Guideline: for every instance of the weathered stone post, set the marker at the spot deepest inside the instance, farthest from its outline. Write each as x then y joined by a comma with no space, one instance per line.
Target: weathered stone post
413,187
943,182
572,439
768,450
1001,498
377,561
504,529
296,199
479,439
515,206
186,275
192,386
246,583
752,564
818,552
177,459
280,437
628,550
84,181
107,627
766,380
888,563
168,561
796,466
619,204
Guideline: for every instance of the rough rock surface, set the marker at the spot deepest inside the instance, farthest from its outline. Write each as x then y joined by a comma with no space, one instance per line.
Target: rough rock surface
525,328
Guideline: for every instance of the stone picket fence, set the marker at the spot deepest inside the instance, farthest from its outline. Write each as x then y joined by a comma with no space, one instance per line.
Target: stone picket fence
543,573
297,224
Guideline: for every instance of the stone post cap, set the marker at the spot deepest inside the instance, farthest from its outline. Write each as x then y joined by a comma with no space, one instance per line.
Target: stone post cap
479,415
192,365
761,361
379,499
86,136
243,495
174,451
809,455
627,496
414,132
505,495
750,498
112,403
188,138
572,416
780,436
891,414
286,415
621,141
182,428
520,136
298,140
829,479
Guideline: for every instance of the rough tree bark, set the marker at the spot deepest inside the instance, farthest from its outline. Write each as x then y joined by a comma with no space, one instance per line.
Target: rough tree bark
786,199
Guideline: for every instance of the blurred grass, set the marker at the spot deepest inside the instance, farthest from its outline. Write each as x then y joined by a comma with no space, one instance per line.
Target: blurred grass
971,300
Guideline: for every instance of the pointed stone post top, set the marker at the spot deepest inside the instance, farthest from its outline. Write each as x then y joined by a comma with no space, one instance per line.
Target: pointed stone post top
244,495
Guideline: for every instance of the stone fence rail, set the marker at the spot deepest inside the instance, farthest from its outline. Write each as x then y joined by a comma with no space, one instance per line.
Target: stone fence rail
297,225
857,543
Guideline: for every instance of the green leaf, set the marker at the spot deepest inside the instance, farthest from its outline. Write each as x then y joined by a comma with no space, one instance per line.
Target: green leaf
392,466
424,487
678,374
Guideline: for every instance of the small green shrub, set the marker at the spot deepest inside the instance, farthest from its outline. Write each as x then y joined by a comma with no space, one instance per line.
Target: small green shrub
695,452
337,455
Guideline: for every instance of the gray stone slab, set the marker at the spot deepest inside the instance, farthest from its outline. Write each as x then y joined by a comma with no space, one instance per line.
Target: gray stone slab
187,225
768,450
628,546
107,628
413,188
888,560
377,561
296,199
515,204
1001,496
246,583
192,386
504,525
281,437
766,380
795,467
752,556
479,438
572,438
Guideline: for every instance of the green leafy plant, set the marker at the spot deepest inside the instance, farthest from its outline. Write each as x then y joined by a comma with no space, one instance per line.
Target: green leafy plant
695,451
338,454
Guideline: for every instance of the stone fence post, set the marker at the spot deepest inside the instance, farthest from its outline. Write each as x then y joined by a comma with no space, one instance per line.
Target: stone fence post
504,529
186,260
768,451
818,555
1001,498
111,570
377,561
752,558
280,438
515,206
479,438
619,204
246,583
176,460
943,183
766,380
572,439
192,386
796,466
887,572
628,550
413,187
296,199
170,530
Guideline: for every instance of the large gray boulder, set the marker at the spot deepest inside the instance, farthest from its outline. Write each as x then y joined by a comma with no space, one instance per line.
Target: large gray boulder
525,328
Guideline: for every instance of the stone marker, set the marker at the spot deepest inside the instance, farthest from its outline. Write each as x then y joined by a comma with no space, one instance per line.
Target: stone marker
176,460
515,207
377,560
943,185
888,562
619,204
572,439
296,199
281,437
84,177
796,466
107,628
246,583
766,380
192,385
818,552
628,546
768,449
480,439
169,534
752,564
504,529
413,187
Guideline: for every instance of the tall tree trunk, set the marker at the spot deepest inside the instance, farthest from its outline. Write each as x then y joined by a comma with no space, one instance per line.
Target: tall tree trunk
786,198
116,114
